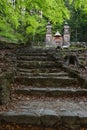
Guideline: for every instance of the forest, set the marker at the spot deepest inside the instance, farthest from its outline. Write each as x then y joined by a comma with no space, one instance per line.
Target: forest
21,21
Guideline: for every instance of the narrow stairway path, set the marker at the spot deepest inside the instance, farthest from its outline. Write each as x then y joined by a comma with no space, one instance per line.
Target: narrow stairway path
44,94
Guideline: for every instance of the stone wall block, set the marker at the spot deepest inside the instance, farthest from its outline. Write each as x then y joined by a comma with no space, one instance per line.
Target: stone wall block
5,87
49,118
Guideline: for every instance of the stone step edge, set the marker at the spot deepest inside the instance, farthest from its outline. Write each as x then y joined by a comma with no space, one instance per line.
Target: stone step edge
42,58
46,118
26,70
51,91
42,74
32,54
46,77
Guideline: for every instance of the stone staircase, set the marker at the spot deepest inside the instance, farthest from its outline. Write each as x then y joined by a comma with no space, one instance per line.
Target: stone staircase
37,72
48,98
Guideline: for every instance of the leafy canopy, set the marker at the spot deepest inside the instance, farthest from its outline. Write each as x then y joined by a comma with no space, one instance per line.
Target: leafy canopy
24,20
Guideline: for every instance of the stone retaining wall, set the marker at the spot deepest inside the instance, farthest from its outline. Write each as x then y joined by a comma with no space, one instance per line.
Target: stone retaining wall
5,88
7,71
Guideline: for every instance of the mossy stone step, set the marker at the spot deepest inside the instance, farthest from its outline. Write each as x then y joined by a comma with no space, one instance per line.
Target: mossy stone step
54,114
35,64
52,92
39,70
32,54
39,58
46,81
42,74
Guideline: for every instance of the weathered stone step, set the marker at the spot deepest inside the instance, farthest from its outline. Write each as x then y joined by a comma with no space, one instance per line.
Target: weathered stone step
42,74
34,50
37,64
40,81
32,54
52,92
40,58
57,113
39,70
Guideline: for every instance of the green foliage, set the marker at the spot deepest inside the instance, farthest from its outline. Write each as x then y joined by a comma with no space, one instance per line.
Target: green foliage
27,24
9,22
78,19
7,31
23,21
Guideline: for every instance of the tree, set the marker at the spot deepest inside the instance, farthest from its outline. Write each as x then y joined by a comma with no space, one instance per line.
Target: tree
9,21
28,24
54,11
78,19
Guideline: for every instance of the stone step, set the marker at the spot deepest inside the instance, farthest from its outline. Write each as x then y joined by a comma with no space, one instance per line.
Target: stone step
39,70
32,54
53,113
52,92
39,58
40,81
35,50
62,73
36,64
